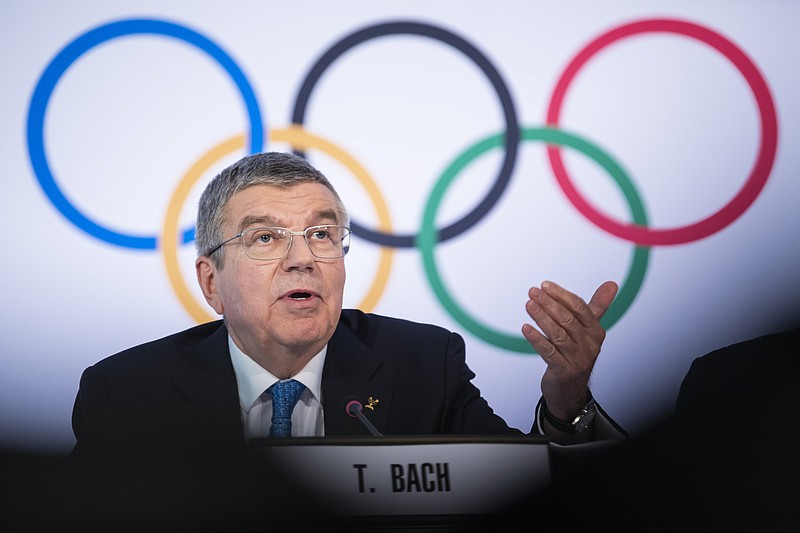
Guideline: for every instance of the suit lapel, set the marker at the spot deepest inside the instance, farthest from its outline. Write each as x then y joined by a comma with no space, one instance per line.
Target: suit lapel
212,410
350,369
208,383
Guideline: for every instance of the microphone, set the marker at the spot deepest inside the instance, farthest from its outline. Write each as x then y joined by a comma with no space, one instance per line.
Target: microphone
354,409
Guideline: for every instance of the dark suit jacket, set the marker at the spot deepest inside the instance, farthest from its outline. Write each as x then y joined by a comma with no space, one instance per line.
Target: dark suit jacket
178,395
737,437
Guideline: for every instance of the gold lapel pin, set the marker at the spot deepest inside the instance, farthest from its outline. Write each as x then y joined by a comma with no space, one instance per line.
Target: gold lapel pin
371,403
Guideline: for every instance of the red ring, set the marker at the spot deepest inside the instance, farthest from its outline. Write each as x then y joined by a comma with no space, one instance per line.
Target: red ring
758,175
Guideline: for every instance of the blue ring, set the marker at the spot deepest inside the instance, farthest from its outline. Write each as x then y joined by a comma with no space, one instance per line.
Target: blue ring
59,65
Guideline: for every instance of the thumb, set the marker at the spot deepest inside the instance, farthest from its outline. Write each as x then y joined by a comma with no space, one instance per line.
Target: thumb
602,298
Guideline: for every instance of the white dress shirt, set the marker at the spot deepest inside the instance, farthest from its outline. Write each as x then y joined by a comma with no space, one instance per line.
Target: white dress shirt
256,404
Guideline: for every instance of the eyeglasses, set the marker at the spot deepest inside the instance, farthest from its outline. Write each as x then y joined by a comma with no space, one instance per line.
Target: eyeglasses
268,244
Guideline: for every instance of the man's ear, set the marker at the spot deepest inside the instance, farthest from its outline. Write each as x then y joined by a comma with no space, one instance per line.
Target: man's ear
207,278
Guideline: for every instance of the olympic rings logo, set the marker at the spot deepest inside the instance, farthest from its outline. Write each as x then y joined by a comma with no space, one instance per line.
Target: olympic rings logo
638,232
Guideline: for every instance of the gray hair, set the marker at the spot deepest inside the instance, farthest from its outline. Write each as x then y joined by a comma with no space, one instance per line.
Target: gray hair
276,169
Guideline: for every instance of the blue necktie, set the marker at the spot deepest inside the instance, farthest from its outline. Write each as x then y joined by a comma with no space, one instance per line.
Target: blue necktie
284,397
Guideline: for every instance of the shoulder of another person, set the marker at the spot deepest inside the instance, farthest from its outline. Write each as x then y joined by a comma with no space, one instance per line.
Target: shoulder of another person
775,345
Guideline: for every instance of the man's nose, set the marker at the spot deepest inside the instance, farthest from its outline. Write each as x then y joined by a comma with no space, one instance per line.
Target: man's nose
299,256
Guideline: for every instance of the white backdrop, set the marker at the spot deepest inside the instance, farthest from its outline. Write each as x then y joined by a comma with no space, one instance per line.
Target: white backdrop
122,120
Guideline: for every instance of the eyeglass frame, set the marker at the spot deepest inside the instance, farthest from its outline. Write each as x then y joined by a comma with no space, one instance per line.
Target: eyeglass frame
292,235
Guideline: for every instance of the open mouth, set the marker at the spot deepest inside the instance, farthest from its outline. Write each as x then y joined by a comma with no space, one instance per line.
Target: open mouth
300,295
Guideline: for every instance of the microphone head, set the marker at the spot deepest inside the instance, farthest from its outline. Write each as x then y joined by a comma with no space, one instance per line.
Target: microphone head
351,405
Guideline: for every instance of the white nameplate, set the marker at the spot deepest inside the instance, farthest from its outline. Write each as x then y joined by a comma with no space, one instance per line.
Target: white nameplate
415,476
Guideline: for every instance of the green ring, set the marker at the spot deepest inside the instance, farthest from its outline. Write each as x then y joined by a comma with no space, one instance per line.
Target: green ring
427,238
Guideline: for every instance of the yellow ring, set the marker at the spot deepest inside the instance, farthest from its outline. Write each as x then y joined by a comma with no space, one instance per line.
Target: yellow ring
301,140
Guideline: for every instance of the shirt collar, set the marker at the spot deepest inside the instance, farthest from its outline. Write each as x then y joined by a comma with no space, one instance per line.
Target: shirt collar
252,379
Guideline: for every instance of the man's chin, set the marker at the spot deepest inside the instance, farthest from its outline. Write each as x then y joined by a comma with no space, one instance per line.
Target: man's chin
300,335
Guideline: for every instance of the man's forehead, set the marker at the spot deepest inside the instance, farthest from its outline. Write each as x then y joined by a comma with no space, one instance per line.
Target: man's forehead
276,204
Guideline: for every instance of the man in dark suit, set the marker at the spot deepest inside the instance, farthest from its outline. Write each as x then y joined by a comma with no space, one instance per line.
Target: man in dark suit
736,438
271,238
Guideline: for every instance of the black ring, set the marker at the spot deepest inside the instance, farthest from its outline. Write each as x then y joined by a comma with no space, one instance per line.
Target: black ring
434,32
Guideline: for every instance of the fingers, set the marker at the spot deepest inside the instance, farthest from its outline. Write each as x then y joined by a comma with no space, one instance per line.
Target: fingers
568,324
539,342
569,340
572,303
555,322
602,298
561,307
552,317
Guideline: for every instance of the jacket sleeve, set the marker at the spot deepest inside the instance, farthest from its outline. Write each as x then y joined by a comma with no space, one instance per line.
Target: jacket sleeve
467,412
92,419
